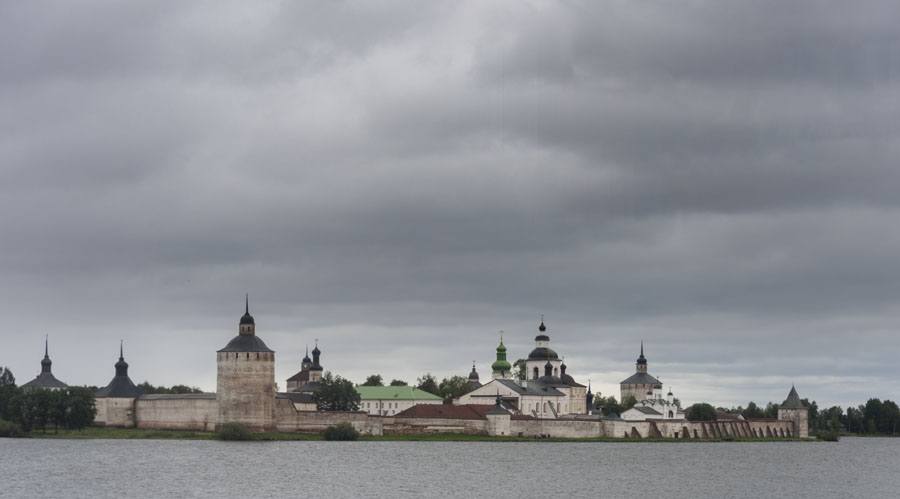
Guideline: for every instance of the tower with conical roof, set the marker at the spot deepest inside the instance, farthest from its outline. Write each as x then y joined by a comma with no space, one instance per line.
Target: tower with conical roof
45,380
501,368
792,409
116,401
641,384
245,383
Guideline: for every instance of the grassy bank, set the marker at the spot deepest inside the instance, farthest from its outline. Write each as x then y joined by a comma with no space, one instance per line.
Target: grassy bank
138,433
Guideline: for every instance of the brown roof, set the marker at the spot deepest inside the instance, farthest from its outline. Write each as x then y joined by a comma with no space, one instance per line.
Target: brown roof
447,411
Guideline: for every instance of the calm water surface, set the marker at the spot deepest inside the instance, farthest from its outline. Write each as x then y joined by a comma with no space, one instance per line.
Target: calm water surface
853,467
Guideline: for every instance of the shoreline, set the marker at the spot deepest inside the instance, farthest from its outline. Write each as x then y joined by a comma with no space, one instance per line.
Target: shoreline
101,433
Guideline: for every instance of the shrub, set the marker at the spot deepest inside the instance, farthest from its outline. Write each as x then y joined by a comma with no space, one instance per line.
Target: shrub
234,431
828,436
341,431
10,429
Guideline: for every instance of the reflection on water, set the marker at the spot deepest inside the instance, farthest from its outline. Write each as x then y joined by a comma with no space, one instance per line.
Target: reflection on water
853,467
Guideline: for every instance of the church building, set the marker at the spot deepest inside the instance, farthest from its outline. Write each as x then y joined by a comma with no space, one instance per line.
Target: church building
547,392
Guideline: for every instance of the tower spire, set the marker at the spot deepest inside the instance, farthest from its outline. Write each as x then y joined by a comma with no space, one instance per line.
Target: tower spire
247,303
121,350
642,348
46,363
46,349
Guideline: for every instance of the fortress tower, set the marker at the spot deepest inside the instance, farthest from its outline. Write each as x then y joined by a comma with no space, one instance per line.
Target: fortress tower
245,389
792,409
641,384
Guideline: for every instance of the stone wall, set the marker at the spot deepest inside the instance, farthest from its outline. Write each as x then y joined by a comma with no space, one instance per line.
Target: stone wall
414,426
560,428
114,411
246,389
177,412
668,428
289,419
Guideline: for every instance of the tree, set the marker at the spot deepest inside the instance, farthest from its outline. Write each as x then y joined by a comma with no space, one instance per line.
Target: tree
519,370
890,417
336,394
399,382
374,380
853,420
453,387
628,402
607,405
428,383
872,414
9,394
149,389
752,411
6,377
830,419
80,408
813,409
700,412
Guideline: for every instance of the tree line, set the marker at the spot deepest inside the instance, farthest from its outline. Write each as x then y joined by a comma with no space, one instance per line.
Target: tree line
30,409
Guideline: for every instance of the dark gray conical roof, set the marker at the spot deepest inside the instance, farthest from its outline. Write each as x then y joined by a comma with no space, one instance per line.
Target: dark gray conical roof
46,378
793,400
121,385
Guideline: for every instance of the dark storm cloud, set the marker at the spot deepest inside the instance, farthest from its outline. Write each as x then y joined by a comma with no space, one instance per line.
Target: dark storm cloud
402,183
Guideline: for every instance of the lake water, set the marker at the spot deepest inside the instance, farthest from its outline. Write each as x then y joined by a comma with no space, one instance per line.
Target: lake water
853,467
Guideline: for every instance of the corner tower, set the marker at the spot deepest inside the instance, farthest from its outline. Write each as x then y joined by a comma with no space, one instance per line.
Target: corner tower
245,386
792,409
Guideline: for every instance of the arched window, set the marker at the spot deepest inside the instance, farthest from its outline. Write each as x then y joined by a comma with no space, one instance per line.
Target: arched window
536,372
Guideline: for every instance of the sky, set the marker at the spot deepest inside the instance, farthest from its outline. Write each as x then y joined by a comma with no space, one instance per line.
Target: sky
403,180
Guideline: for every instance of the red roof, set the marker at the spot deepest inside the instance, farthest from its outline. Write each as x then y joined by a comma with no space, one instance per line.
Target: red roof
446,411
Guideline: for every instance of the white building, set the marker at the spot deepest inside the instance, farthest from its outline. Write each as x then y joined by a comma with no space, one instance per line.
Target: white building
548,392
389,400
654,406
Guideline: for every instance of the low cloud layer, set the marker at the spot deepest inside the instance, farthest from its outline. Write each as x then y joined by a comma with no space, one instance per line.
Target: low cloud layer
402,183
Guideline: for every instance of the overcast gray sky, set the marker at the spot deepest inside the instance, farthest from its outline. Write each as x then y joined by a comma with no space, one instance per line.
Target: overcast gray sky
402,180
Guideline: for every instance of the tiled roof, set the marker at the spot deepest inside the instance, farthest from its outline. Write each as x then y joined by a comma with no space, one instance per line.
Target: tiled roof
45,380
246,343
120,387
647,410
641,379
297,397
446,411
531,388
792,401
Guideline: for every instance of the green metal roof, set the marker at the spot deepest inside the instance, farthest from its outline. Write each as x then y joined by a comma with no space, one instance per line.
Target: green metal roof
394,393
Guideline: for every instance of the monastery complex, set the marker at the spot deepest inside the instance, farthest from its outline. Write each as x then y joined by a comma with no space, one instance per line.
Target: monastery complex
539,398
